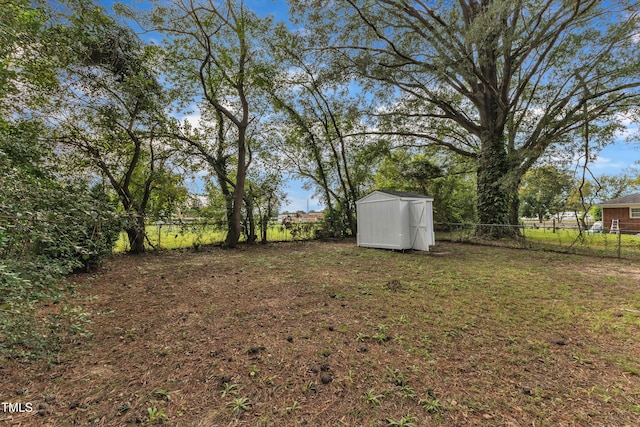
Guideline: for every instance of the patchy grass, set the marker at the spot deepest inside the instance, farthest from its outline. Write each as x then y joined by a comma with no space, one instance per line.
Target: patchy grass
328,334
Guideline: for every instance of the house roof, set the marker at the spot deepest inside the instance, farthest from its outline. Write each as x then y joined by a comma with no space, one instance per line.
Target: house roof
404,194
632,199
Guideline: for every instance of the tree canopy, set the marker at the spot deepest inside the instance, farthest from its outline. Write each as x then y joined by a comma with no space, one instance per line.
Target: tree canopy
497,81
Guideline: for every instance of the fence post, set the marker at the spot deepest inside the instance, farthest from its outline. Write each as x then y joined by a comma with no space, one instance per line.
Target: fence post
554,225
619,244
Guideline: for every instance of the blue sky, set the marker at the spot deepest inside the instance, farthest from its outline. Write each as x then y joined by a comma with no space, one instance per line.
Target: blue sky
612,160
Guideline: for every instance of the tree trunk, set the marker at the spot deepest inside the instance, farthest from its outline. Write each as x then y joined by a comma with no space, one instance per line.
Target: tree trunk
264,227
136,235
493,191
514,205
251,220
264,221
235,226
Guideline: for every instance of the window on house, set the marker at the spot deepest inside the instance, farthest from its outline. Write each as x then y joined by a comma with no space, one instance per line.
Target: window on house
635,213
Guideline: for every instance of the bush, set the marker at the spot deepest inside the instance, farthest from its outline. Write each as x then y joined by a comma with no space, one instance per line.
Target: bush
50,225
333,224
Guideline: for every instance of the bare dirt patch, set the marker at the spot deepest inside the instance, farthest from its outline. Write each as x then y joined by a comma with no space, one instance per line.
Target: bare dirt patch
331,334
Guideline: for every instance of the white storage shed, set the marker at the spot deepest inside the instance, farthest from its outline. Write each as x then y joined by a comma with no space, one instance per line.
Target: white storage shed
395,220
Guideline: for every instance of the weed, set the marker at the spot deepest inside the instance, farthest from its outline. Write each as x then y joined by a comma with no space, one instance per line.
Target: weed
416,369
408,392
156,415
270,379
580,360
310,386
230,389
254,371
362,337
380,337
239,404
294,407
406,421
162,394
382,328
396,377
451,333
431,405
350,376
372,398
130,334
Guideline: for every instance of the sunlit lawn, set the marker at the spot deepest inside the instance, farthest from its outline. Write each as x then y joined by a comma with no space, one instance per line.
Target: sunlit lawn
598,243
562,239
175,236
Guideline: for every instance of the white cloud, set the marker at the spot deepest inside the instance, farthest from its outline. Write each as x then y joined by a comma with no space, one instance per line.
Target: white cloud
606,163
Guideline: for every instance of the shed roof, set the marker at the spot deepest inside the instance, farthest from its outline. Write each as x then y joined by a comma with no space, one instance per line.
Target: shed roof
632,199
404,194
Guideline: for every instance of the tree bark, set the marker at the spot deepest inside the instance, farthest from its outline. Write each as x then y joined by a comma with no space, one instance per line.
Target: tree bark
136,235
235,226
493,190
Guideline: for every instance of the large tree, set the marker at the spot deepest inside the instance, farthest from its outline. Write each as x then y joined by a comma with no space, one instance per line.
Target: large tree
111,112
214,55
321,113
498,81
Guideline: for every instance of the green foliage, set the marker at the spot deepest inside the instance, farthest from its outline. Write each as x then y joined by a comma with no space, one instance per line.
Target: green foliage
51,224
156,415
334,223
502,84
372,398
115,114
446,178
544,191
25,67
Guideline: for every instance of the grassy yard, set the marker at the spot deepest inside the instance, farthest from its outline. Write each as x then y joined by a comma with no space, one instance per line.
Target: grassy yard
562,240
328,334
175,236
600,243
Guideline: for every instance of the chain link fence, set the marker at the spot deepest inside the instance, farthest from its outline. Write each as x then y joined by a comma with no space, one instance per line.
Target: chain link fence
558,238
197,233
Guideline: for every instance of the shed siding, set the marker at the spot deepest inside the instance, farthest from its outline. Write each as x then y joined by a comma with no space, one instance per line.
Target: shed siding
395,221
377,224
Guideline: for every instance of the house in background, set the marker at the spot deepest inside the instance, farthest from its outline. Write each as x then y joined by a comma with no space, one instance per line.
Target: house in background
622,213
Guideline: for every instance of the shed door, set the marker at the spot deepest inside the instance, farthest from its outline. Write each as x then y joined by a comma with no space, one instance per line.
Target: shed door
419,225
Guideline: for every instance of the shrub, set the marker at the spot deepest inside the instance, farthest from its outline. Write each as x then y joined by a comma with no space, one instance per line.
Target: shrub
50,225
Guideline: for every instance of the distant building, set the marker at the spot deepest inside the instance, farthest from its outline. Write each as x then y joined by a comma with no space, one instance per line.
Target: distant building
623,212
295,218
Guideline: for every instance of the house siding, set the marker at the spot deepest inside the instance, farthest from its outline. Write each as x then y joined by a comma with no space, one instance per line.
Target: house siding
622,214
